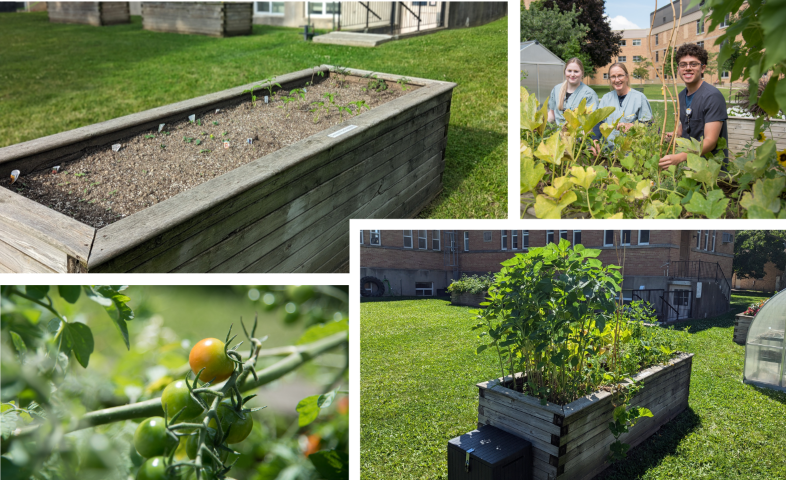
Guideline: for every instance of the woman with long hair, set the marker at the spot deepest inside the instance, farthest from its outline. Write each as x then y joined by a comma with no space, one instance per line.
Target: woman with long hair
569,94
629,105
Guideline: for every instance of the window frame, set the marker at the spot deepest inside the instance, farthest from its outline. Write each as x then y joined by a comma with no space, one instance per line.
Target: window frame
635,57
605,244
656,39
503,240
623,42
698,241
371,238
706,240
431,289
514,239
549,233
714,238
622,59
605,76
637,44
560,234
361,237
622,238
270,12
424,238
466,241
574,237
700,26
411,242
525,234
324,13
438,240
648,237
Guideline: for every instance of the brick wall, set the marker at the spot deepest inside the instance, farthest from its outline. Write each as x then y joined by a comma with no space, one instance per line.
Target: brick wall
772,281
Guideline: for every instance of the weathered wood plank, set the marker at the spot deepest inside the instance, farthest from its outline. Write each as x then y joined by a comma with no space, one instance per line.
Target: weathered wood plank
40,251
16,261
61,232
491,417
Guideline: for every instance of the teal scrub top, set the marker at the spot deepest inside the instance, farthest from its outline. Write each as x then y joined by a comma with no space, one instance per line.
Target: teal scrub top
582,92
635,107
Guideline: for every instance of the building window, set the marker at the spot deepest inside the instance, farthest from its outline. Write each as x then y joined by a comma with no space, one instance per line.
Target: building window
725,75
524,239
270,8
514,239
608,238
422,239
701,44
361,237
504,239
698,239
576,237
605,76
435,240
321,8
486,236
374,240
681,298
625,237
706,239
622,59
725,22
407,238
563,234
424,289
549,236
622,43
714,234
656,39
637,43
637,58
727,238
656,57
466,241
644,237
699,26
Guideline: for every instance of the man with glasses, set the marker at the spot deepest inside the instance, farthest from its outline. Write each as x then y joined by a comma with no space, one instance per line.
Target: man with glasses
702,106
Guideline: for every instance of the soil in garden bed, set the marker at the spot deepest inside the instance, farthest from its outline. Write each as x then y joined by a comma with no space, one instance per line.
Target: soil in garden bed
102,186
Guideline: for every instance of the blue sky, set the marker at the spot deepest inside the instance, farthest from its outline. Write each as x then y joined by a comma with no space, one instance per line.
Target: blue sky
634,11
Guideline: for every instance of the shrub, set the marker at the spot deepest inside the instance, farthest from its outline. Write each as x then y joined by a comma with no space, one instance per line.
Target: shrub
472,284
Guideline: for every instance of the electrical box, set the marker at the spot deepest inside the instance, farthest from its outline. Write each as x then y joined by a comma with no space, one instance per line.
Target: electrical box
489,453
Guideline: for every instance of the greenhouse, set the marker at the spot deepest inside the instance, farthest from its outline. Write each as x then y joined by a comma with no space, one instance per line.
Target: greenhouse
541,70
764,348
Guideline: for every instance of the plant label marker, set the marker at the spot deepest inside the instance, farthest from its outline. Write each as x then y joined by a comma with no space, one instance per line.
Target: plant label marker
116,147
218,110
226,144
249,141
304,89
161,127
344,130
191,118
265,98
14,176
56,169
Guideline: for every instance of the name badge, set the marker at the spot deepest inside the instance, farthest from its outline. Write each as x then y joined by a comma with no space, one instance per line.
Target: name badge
687,111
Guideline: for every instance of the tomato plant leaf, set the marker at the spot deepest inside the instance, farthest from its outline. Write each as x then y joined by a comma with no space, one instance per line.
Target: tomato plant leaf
70,293
308,408
115,304
37,291
320,331
331,464
326,399
80,340
19,344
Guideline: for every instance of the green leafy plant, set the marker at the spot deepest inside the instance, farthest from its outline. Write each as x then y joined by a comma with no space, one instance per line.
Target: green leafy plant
473,284
150,136
375,83
402,82
341,76
359,106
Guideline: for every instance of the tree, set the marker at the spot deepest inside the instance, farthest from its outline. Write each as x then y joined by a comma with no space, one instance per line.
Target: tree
712,65
602,44
556,30
753,249
728,65
642,70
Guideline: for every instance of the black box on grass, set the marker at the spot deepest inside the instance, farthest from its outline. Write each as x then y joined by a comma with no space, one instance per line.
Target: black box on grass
489,453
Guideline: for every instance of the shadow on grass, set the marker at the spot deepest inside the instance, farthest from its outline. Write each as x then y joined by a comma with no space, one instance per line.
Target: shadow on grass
649,454
776,395
399,299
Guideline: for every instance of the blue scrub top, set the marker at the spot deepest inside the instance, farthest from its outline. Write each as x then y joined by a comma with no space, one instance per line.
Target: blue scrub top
582,92
635,107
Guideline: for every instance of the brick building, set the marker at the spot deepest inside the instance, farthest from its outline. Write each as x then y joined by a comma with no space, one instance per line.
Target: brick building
773,280
684,274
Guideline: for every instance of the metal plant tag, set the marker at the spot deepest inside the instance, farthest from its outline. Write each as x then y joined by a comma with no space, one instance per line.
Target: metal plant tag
249,141
14,176
116,147
218,110
265,98
192,118
56,169
161,127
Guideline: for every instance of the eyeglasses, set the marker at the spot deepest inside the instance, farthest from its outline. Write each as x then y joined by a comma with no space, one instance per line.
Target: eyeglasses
691,65
618,77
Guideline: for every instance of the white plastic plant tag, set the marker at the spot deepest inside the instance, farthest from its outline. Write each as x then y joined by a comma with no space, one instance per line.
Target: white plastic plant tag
192,118
218,110
249,141
116,147
14,176
304,89
160,127
265,98
226,144
344,130
56,169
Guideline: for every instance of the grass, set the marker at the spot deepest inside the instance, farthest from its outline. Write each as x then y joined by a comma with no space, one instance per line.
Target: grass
652,92
419,369
123,69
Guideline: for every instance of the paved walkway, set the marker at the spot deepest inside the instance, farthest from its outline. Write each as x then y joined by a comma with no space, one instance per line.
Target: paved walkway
354,39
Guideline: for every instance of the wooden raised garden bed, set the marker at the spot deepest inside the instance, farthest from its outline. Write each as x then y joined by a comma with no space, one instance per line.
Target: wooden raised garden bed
91,13
467,299
287,211
216,19
741,325
741,132
572,441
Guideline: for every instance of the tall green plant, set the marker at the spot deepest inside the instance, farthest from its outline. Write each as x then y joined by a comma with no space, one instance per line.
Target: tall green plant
547,315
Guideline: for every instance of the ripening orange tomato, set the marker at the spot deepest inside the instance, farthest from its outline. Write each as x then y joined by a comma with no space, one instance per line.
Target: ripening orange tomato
209,354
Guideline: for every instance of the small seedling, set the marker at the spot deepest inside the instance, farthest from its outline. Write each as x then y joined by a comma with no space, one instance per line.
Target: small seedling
80,174
341,72
70,192
225,134
150,136
163,147
359,106
315,71
375,83
402,82
165,133
144,171
198,142
342,109
204,151
112,192
215,123
95,183
85,192
211,135
188,139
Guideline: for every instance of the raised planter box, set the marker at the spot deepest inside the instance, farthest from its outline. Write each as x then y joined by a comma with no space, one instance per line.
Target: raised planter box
288,211
741,133
467,299
216,19
572,441
741,325
90,13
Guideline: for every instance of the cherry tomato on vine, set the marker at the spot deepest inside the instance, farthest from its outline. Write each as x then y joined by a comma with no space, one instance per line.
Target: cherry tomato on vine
209,354
240,427
175,397
152,469
300,293
151,439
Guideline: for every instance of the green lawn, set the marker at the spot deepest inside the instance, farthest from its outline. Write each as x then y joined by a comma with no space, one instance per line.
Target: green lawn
418,376
57,77
653,92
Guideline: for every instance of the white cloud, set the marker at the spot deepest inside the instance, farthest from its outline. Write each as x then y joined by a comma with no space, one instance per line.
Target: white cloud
621,23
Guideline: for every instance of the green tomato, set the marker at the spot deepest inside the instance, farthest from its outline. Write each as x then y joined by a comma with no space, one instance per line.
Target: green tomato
152,469
151,438
209,354
193,442
300,293
240,428
176,397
